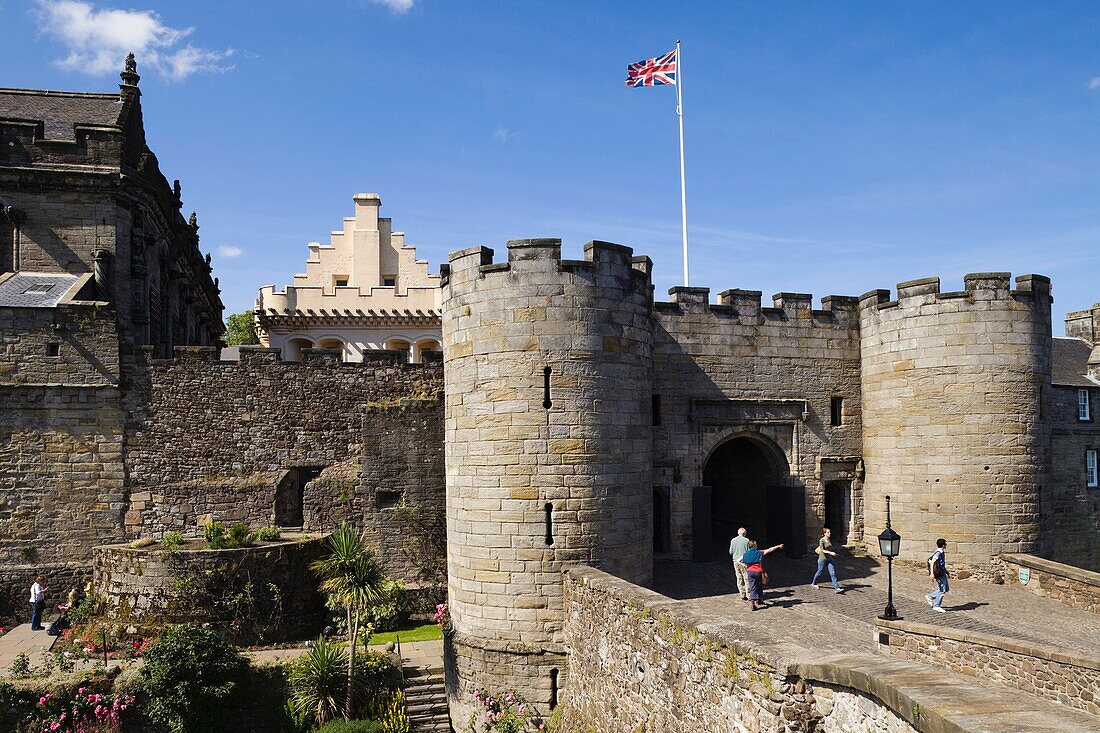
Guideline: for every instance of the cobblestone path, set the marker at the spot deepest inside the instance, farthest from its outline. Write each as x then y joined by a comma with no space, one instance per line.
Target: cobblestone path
820,619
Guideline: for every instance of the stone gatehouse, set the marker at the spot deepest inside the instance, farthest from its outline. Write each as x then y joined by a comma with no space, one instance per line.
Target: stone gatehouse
574,420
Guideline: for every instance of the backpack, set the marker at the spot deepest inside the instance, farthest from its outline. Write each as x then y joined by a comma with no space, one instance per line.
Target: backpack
60,624
939,564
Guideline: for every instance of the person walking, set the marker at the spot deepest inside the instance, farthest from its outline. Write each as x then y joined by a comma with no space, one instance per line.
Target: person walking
937,571
754,569
738,545
38,603
825,558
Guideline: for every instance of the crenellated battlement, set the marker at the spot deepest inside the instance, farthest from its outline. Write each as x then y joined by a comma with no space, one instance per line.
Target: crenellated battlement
978,287
543,255
746,307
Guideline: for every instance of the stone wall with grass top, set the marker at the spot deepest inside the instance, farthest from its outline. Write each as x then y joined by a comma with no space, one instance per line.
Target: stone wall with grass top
261,593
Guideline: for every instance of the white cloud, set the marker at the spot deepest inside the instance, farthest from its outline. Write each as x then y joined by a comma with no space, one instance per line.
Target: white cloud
397,6
503,134
229,251
98,40
1094,82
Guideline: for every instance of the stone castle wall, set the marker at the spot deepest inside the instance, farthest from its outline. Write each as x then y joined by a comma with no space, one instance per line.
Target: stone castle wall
954,386
214,439
173,442
740,357
548,372
62,479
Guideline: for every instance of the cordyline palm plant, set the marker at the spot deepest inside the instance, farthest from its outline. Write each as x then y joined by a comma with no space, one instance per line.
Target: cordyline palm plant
351,576
315,679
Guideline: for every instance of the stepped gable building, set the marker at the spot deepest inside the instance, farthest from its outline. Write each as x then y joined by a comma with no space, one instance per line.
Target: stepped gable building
363,291
588,425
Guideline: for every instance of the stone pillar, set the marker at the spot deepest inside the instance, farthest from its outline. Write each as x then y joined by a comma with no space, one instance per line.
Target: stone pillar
548,366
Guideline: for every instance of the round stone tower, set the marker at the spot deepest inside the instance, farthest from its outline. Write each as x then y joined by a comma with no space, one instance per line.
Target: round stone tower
953,431
548,370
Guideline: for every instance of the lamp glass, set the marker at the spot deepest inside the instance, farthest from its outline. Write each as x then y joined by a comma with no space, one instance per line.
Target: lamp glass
889,543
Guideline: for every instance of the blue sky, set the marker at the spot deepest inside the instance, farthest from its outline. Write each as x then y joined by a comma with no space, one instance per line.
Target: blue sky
831,147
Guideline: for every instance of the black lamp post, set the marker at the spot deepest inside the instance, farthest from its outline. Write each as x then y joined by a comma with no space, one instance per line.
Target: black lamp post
889,544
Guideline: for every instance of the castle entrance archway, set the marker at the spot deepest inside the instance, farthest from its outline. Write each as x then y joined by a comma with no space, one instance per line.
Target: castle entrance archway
749,483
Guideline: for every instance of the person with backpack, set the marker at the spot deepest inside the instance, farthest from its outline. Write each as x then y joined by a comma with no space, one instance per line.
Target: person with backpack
937,571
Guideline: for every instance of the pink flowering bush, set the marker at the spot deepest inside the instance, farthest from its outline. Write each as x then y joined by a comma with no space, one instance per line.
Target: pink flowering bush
441,616
507,713
85,712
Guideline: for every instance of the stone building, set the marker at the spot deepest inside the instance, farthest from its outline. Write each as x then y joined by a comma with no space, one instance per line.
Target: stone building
588,425
364,290
96,263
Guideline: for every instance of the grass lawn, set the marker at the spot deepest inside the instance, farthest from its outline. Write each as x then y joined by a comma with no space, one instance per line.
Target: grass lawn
420,632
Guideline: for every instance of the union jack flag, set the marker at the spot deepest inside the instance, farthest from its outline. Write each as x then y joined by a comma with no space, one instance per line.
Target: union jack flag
651,72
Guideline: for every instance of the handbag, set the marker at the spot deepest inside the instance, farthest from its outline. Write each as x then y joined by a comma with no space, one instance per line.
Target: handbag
764,577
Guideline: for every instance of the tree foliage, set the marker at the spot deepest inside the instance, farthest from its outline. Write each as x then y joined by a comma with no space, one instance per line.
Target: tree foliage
191,677
240,329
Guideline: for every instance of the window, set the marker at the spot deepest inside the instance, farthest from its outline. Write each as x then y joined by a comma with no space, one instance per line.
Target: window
39,288
1090,468
53,348
1083,405
389,281
836,411
341,282
655,409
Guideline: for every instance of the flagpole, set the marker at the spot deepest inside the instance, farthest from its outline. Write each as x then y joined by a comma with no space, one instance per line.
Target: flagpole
683,184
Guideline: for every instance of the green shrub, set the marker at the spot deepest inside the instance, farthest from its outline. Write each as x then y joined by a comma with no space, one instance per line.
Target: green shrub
352,726
171,541
240,536
392,609
191,677
214,534
268,534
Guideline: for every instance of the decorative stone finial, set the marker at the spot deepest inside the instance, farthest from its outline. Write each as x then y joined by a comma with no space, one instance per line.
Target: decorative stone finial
177,190
129,75
208,260
193,221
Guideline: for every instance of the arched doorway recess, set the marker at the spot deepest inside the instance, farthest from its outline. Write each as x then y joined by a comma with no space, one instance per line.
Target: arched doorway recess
750,487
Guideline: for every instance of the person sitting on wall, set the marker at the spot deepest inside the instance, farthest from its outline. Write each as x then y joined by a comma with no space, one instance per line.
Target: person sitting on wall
754,568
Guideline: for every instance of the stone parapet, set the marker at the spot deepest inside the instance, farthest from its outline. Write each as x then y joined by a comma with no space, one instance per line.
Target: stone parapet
1065,583
1043,671
649,661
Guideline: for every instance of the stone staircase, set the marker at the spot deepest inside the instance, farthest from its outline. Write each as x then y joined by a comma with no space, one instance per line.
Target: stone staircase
426,698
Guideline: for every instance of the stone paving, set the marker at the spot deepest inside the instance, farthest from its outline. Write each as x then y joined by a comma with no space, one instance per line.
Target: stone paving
21,640
818,619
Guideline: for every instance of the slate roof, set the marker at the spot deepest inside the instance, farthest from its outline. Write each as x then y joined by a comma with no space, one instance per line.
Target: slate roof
60,111
35,289
1070,363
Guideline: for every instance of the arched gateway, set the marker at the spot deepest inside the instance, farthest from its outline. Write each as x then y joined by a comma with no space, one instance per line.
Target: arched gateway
749,481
